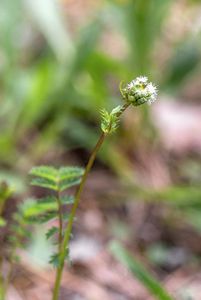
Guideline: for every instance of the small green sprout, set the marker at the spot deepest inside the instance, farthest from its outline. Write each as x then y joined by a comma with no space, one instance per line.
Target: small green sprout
110,121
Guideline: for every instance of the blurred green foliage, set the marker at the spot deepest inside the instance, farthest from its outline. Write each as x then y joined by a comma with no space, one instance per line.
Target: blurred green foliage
139,271
5,193
54,79
53,83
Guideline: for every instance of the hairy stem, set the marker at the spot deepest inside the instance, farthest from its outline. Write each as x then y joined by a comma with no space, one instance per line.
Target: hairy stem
72,215
65,243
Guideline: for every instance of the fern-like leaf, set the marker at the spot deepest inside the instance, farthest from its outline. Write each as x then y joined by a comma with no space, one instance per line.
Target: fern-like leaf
56,179
52,231
54,260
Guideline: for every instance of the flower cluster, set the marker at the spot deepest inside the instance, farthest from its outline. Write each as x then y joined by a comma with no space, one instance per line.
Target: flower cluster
139,91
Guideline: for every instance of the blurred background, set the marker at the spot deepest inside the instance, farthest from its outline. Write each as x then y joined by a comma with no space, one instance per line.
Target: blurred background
60,63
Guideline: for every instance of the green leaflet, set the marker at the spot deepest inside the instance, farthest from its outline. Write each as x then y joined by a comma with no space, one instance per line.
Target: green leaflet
45,183
54,259
67,200
46,217
56,179
43,209
47,199
66,184
69,172
51,232
46,172
31,208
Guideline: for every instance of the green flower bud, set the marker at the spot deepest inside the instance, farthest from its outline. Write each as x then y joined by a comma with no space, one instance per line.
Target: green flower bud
139,91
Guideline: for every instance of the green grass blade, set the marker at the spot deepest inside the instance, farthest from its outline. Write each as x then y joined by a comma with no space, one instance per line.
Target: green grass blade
139,271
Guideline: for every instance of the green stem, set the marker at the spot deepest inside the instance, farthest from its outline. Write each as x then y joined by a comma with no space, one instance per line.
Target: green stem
60,221
65,243
2,287
72,215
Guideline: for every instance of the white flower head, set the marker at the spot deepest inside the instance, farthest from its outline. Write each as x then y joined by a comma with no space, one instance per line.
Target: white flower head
131,84
142,79
152,89
140,91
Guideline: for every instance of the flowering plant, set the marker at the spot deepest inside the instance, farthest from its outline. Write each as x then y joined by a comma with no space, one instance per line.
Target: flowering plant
58,180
